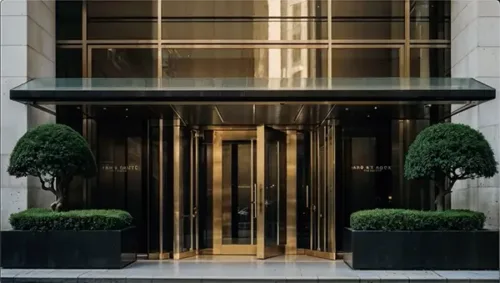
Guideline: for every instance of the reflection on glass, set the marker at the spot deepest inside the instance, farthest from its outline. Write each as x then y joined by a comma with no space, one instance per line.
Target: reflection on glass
430,19
124,63
355,63
237,214
430,62
271,194
187,196
244,19
122,19
249,63
368,19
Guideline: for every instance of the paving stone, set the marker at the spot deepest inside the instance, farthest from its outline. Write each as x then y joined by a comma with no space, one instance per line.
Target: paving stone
243,272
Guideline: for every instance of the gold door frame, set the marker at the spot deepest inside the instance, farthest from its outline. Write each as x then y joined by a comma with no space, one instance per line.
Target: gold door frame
264,135
179,190
219,136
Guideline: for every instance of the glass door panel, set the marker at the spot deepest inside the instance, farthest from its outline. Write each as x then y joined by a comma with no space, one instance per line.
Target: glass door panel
270,182
320,192
185,191
234,221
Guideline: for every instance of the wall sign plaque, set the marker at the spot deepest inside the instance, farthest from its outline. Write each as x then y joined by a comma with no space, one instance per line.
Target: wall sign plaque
371,168
120,168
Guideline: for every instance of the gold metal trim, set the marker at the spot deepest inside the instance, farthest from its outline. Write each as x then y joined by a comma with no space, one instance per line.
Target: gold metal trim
238,249
178,189
184,255
291,193
320,254
159,61
407,38
84,40
161,185
217,192
219,136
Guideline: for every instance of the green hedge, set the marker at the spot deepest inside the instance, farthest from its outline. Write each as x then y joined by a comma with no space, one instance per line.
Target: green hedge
415,220
37,219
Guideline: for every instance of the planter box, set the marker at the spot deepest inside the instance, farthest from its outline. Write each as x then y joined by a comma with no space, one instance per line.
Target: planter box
68,249
422,250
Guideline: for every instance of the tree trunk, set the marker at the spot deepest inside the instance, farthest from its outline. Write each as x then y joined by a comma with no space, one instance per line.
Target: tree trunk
439,201
60,203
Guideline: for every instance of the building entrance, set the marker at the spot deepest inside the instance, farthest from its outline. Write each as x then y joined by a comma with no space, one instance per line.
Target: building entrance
249,190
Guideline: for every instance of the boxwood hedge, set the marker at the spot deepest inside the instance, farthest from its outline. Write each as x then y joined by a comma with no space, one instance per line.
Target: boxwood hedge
415,220
37,219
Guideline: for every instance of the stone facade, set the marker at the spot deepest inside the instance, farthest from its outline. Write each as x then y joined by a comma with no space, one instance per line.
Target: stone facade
27,52
475,52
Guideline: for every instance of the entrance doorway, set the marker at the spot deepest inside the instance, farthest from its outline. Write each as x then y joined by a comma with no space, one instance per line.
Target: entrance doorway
249,192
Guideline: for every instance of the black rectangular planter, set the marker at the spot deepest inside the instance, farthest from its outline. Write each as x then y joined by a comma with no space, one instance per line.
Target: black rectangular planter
422,250
68,249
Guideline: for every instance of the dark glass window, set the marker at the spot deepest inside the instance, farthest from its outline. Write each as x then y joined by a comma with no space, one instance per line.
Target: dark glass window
69,20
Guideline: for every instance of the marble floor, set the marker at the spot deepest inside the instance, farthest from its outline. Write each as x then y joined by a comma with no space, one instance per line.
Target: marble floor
243,269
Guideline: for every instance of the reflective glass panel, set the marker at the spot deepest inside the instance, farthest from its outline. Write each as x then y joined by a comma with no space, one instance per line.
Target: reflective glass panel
368,19
430,19
355,63
69,20
244,19
122,19
430,62
124,63
244,63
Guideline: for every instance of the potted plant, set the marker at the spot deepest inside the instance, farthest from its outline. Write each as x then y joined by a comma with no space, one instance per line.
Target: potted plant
403,239
454,151
58,237
439,240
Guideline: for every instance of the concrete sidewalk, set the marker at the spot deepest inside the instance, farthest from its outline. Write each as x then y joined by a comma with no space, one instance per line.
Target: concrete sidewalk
264,271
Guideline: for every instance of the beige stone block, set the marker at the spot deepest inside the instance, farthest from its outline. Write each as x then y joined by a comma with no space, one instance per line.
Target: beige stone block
13,8
13,30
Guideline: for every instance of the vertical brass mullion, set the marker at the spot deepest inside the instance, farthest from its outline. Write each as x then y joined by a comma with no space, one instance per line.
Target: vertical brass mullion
178,186
159,60
278,193
318,186
291,192
311,183
331,206
261,183
407,38
191,190
196,191
217,192
85,66
325,186
148,187
161,185
252,192
329,29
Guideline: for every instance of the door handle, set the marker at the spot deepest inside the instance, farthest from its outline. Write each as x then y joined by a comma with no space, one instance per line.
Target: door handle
307,196
254,192
195,212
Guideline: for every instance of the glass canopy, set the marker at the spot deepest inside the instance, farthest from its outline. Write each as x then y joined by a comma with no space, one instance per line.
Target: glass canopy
252,89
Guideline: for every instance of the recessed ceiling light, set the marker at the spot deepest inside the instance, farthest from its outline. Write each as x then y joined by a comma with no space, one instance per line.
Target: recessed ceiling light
126,109
368,116
126,116
347,109
375,107
104,108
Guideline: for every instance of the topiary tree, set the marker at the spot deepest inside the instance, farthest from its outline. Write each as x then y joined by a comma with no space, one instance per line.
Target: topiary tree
455,151
55,154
